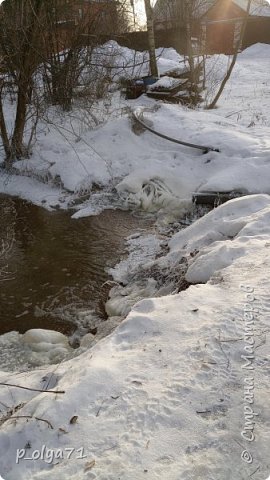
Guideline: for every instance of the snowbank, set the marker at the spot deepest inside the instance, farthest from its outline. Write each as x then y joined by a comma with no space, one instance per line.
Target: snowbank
226,221
256,52
163,395
128,63
164,83
217,240
34,348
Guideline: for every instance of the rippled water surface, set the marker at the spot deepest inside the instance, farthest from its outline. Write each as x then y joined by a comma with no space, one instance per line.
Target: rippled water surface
52,266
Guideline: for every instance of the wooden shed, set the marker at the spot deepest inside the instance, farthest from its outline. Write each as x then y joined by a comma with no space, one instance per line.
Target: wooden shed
217,23
221,24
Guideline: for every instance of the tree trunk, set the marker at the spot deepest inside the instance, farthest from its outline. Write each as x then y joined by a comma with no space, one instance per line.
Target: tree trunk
3,130
21,40
17,146
193,80
63,79
151,38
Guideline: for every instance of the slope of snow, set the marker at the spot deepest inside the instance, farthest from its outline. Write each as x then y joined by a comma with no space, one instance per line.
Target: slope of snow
180,388
224,235
163,396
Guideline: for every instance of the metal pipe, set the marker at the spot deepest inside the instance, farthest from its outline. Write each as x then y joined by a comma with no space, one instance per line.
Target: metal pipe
138,115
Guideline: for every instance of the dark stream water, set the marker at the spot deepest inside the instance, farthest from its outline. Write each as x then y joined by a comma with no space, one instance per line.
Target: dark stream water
53,266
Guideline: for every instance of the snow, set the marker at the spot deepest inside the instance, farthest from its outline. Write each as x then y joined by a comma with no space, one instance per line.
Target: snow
46,350
122,299
255,53
162,396
164,83
131,418
34,348
72,161
224,235
31,189
141,249
129,63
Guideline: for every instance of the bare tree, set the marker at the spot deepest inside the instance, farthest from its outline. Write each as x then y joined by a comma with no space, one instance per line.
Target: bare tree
151,37
20,46
188,13
45,47
71,45
184,15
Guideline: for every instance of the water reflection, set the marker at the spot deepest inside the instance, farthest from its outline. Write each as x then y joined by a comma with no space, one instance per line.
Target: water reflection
53,265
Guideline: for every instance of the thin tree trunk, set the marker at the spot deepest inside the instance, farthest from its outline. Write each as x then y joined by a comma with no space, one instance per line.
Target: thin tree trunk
17,147
193,80
231,67
3,130
151,38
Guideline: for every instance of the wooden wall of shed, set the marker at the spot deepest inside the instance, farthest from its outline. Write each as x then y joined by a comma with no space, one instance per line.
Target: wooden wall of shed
224,10
219,40
258,31
220,36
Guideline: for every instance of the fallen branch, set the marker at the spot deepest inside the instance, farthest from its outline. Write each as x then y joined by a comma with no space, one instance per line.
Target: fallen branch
32,389
36,418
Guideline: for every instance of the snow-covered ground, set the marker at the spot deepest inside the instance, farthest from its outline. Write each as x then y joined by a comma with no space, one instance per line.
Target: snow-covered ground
67,153
180,389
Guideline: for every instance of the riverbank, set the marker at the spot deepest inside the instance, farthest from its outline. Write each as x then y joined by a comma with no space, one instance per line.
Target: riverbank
180,388
167,392
71,162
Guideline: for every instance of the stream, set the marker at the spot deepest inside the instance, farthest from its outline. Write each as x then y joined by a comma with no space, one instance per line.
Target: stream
52,266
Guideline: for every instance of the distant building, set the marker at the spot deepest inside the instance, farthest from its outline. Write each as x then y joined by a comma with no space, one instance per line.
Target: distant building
101,15
217,23
64,23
